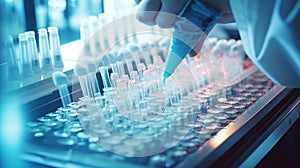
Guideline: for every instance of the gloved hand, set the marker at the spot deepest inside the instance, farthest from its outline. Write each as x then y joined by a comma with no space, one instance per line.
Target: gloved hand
164,13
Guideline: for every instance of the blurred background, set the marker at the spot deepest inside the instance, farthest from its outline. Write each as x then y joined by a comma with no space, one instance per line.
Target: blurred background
24,15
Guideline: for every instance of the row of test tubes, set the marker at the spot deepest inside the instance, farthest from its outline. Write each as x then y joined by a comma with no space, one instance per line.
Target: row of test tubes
133,101
131,72
129,112
25,61
100,33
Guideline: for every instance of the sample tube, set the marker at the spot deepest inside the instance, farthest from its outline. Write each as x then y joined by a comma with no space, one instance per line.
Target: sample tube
102,22
94,39
120,63
236,52
44,50
85,36
103,67
128,60
12,61
93,79
113,79
164,44
82,74
134,49
33,52
26,68
61,81
145,48
231,42
141,68
116,27
105,76
113,62
55,48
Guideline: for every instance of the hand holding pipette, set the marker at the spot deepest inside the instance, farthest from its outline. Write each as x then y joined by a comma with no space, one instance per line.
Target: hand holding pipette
195,20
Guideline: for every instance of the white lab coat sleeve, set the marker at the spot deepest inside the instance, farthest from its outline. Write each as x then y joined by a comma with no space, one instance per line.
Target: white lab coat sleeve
271,37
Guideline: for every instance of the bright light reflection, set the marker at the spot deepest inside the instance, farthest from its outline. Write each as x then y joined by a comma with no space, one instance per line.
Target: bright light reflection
221,136
11,132
11,122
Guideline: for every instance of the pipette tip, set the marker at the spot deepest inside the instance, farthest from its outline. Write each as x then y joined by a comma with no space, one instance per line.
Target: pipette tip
164,83
165,76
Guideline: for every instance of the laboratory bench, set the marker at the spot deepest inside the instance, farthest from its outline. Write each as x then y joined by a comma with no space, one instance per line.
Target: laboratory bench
252,137
203,122
257,122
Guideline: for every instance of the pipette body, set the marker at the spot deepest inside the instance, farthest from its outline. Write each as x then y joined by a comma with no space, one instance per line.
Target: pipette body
196,20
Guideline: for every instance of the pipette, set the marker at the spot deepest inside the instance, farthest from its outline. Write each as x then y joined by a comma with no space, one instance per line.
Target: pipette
61,81
55,48
12,62
187,35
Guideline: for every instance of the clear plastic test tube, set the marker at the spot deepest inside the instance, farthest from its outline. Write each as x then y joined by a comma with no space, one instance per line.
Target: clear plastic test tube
26,68
94,39
55,48
102,22
120,63
141,68
82,74
134,49
146,53
61,81
93,78
105,77
164,46
116,26
12,61
128,60
237,56
103,67
33,51
44,50
85,36
113,62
